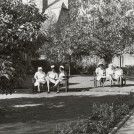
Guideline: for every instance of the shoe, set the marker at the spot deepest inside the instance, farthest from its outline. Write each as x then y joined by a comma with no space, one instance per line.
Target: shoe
48,92
53,87
58,92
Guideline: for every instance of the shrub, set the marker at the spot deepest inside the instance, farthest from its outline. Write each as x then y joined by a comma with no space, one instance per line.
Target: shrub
128,70
12,73
104,118
89,69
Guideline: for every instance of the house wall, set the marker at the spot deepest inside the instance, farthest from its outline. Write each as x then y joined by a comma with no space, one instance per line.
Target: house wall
125,59
55,6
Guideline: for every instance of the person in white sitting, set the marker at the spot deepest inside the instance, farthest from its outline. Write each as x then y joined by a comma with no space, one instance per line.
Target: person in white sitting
52,77
118,74
110,71
62,78
100,74
40,77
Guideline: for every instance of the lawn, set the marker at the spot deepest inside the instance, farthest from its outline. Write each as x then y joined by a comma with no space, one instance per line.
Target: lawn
45,113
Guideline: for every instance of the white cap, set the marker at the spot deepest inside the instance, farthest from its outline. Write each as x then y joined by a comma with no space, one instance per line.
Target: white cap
110,65
52,66
62,66
39,68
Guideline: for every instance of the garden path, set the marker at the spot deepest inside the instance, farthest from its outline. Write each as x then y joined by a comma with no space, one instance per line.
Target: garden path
128,127
78,85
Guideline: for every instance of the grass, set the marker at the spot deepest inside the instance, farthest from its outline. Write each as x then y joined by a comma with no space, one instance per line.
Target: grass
46,116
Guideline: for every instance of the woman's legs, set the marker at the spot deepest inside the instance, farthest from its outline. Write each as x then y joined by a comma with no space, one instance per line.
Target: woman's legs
49,80
39,84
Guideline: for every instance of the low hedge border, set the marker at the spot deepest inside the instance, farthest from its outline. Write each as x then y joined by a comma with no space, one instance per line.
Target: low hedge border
104,118
122,122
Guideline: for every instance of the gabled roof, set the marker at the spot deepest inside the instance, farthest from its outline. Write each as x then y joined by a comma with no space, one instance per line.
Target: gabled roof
64,16
64,6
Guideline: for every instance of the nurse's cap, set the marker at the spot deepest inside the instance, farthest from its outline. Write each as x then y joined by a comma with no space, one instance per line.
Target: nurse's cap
39,68
62,66
52,66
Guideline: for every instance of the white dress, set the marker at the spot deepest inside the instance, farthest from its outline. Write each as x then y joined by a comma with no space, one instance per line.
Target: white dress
118,73
40,78
110,73
52,76
62,76
100,73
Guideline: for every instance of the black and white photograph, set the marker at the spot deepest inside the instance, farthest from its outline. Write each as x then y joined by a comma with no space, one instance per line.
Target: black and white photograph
66,66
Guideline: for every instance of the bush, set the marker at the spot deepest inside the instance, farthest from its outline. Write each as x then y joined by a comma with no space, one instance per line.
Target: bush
128,70
104,118
12,74
89,69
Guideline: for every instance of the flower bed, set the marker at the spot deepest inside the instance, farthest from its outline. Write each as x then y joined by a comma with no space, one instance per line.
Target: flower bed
104,118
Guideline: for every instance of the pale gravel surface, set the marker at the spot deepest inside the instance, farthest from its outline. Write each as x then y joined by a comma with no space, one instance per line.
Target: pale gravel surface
79,86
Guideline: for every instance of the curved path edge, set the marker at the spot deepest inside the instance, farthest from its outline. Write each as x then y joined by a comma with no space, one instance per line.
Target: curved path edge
122,122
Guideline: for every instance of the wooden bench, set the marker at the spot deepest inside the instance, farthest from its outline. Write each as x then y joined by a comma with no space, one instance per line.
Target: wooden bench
43,87
121,82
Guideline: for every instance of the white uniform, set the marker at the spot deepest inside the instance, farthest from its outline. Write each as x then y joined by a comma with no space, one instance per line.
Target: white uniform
62,76
100,73
118,73
40,78
52,76
109,73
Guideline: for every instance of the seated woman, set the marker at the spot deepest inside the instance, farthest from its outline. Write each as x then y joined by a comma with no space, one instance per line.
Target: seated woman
52,77
40,78
110,71
118,74
62,78
100,74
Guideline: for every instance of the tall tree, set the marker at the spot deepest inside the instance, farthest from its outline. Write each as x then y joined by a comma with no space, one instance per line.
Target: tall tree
19,31
96,27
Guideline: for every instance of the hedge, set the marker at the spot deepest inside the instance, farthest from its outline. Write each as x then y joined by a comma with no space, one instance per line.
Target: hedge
104,118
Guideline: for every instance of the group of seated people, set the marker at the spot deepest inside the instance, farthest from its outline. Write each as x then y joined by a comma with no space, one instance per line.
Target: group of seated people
112,73
50,77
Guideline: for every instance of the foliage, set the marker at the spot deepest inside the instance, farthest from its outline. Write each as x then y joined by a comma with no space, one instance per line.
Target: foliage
19,34
95,27
104,118
12,73
20,27
128,70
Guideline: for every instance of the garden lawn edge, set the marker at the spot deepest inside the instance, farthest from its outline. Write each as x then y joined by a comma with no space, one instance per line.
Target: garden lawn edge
122,122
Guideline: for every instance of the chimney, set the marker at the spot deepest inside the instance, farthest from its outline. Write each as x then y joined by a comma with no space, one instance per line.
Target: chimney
45,5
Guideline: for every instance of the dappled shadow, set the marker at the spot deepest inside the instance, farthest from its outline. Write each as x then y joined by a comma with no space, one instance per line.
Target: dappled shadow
77,89
129,85
73,83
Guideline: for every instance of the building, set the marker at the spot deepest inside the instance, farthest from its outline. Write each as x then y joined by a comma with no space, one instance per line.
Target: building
57,11
47,6
124,60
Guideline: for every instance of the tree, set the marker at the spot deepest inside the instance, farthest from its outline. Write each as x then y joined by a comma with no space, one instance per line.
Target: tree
20,31
96,27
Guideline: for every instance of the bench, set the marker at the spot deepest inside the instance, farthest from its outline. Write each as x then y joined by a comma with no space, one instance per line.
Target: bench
43,87
121,82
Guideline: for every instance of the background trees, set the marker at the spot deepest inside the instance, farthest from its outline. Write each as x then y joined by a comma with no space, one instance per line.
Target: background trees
95,27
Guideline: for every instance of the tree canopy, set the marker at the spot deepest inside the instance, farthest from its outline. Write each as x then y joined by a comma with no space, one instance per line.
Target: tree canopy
96,27
20,32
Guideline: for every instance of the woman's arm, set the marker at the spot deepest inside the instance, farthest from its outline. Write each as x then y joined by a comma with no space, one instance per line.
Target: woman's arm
36,76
